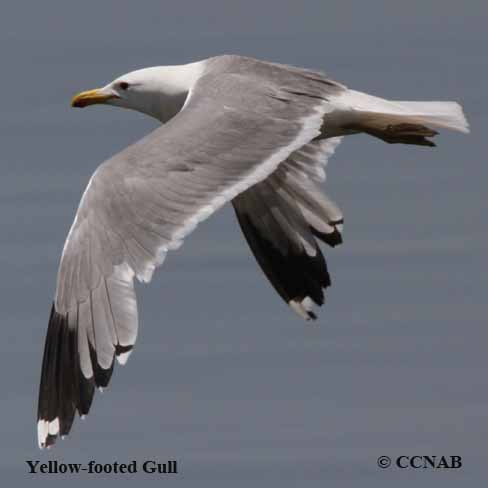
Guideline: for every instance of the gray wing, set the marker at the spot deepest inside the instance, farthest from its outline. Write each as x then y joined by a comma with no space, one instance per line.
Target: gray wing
238,125
280,218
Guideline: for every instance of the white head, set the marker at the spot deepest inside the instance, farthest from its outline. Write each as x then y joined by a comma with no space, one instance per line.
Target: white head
159,91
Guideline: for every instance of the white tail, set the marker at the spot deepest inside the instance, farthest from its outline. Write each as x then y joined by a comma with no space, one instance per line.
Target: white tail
448,115
393,121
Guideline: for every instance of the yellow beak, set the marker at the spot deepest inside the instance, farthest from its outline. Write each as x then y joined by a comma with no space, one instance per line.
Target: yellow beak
91,97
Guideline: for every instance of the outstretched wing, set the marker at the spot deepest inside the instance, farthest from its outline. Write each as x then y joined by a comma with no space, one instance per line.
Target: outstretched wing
232,133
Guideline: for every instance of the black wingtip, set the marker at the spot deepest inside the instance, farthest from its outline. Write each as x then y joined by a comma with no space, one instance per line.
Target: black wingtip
102,376
294,274
312,315
333,238
63,388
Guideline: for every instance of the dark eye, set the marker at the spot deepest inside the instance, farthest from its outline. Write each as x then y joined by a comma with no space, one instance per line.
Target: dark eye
123,85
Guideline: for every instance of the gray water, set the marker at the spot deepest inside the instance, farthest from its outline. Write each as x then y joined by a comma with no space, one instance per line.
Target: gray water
225,378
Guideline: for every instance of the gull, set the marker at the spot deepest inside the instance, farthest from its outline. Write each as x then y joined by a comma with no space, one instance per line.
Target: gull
234,129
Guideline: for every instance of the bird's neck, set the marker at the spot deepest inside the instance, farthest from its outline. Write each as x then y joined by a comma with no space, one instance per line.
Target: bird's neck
177,82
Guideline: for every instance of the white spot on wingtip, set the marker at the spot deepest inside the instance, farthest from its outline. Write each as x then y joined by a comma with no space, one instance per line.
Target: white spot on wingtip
82,417
54,427
307,304
42,432
123,357
304,308
299,309
100,389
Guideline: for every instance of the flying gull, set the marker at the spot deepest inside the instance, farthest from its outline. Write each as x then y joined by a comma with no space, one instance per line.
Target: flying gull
238,130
